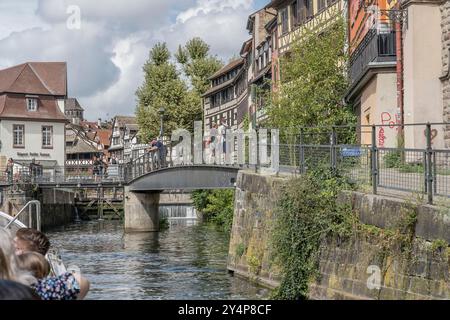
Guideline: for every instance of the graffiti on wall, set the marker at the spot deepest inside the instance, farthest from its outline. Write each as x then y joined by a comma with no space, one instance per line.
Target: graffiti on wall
434,134
390,122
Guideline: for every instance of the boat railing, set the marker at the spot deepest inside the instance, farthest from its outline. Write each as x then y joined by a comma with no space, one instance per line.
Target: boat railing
29,208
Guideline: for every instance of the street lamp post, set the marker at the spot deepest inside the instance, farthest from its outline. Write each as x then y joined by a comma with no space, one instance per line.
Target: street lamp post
161,113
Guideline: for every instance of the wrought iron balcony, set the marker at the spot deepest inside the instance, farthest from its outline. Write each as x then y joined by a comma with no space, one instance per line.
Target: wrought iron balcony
375,48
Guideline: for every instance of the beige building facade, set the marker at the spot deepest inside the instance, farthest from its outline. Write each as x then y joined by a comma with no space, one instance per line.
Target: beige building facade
32,119
445,79
372,73
378,104
418,92
423,93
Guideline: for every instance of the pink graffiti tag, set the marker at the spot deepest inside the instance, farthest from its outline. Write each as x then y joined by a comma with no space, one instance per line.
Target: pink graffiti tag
387,119
381,138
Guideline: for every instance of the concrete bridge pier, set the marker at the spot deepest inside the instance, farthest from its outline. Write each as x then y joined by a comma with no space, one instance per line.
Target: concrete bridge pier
141,211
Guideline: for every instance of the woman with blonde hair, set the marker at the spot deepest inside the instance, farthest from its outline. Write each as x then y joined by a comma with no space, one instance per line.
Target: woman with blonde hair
35,263
67,286
9,266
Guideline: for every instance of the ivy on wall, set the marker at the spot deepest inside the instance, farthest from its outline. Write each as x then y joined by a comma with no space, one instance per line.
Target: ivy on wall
306,213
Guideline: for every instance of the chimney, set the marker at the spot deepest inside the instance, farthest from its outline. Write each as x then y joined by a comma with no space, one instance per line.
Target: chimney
99,122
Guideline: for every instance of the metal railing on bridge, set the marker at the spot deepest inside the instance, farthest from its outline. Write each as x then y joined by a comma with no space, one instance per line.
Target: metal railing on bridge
412,158
170,157
62,175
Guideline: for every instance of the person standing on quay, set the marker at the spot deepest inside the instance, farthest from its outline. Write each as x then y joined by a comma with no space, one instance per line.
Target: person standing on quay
212,143
96,168
223,137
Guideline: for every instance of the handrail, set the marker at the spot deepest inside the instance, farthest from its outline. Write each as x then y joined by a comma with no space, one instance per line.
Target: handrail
28,205
9,218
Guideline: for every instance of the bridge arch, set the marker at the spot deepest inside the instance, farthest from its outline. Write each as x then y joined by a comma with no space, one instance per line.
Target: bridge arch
191,177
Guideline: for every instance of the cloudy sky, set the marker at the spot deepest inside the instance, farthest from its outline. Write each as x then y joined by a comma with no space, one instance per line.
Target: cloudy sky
105,55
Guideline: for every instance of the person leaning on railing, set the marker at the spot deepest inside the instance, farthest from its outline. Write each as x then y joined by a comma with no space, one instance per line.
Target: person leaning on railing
156,149
96,168
9,170
103,167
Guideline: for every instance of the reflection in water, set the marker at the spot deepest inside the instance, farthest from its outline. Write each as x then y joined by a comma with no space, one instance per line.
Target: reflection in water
187,261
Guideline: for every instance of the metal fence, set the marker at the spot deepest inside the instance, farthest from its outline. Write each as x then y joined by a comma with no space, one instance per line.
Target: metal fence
62,174
411,158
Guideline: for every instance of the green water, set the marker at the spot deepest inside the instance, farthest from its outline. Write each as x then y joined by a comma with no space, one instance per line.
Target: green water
187,261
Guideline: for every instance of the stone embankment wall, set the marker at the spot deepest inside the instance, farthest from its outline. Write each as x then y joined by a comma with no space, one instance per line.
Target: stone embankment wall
347,267
255,202
56,206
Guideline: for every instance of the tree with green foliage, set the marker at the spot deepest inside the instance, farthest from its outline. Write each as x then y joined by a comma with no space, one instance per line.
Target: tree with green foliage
314,82
179,94
162,87
198,64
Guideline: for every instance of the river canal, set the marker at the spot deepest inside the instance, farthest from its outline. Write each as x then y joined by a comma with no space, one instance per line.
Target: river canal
187,261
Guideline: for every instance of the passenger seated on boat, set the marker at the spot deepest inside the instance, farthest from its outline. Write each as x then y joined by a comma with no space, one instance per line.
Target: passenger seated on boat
9,265
67,286
28,239
10,290
35,263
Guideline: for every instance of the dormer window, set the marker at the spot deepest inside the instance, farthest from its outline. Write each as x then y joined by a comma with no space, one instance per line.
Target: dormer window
32,104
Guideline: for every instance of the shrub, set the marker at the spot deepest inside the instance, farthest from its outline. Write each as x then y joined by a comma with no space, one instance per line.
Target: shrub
393,159
217,206
306,213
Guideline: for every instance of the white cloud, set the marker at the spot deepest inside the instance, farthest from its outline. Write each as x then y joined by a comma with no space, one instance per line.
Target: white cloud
122,15
18,16
106,56
119,98
221,23
205,7
87,53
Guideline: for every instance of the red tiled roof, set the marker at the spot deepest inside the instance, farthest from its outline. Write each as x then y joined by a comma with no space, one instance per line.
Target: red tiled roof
14,106
91,135
2,102
246,46
104,136
45,78
233,64
9,76
126,120
73,104
89,124
219,87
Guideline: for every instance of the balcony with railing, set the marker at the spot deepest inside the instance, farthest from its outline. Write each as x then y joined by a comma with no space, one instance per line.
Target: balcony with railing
376,49
79,163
